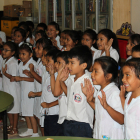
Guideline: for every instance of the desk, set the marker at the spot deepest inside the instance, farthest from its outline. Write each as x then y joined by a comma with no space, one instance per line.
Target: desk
5,101
56,138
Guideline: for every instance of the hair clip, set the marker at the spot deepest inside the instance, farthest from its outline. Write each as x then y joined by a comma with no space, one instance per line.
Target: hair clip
29,45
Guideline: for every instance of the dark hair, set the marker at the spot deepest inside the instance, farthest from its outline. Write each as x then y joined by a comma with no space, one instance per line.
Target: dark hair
14,47
134,64
56,26
26,27
30,24
92,34
64,56
26,46
53,54
50,48
109,65
43,25
75,36
43,33
135,38
136,48
22,31
83,54
15,28
21,23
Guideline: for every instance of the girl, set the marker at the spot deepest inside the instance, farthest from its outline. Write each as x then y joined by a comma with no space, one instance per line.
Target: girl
107,45
12,33
130,81
89,38
107,104
53,33
27,85
20,36
9,69
72,38
132,41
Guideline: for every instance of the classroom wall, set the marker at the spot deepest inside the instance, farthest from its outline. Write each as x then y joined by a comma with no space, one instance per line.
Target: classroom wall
135,15
1,5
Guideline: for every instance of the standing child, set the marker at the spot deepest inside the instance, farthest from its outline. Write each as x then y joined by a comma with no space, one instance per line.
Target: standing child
132,41
10,69
130,76
107,45
53,33
27,85
109,116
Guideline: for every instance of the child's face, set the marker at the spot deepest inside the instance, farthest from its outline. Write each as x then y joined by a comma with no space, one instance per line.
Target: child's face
86,40
12,35
97,75
38,36
18,37
38,50
6,52
101,42
69,44
130,80
135,54
60,63
50,62
75,68
52,32
43,58
24,56
62,39
129,47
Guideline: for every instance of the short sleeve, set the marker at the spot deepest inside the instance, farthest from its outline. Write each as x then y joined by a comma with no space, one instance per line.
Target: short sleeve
13,68
114,54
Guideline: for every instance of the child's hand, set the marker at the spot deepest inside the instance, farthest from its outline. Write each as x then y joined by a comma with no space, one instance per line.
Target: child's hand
31,94
64,74
122,93
45,105
27,72
17,78
12,79
51,69
32,41
62,65
109,44
4,69
103,100
31,66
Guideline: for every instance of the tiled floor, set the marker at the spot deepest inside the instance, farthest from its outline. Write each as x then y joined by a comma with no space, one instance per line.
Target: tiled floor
21,128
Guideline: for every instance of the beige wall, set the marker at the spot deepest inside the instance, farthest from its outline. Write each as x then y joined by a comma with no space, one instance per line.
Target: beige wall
135,15
1,5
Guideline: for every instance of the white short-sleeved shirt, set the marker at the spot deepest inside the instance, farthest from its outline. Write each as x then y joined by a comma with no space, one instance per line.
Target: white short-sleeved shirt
78,107
129,58
3,36
20,43
113,53
104,124
1,59
12,88
58,42
132,117
93,49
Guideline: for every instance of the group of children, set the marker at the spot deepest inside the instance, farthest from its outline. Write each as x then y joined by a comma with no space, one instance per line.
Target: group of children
65,81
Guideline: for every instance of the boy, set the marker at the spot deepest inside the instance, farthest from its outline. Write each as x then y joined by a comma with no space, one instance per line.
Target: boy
79,120
136,51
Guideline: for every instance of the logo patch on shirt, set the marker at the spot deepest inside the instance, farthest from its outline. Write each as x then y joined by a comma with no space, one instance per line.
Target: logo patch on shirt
49,88
77,98
60,97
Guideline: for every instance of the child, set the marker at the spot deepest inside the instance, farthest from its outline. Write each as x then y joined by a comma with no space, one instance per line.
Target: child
107,104
136,51
31,25
9,69
20,36
53,33
132,41
51,128
41,26
40,34
27,85
131,105
12,33
107,45
89,38
79,120
72,38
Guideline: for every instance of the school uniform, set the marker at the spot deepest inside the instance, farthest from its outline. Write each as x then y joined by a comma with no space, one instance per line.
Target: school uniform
130,57
26,102
12,88
20,43
58,42
1,59
51,127
28,40
37,101
80,115
93,49
104,124
132,117
113,53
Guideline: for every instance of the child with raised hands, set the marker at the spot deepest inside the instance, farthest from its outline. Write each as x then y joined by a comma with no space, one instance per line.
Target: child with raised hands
130,82
109,118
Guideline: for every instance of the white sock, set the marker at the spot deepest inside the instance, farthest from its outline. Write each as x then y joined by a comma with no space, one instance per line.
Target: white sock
30,130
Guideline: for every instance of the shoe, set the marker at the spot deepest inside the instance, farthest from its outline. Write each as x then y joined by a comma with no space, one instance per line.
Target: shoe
13,132
27,133
35,135
22,120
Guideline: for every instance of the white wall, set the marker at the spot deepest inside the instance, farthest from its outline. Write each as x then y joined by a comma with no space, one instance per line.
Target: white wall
135,15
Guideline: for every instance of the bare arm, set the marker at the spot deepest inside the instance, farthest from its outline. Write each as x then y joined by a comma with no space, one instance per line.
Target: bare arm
48,105
34,94
17,78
